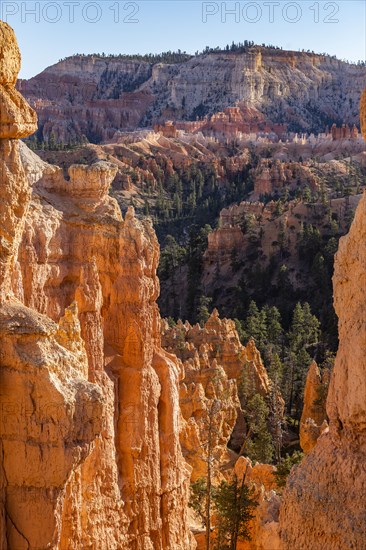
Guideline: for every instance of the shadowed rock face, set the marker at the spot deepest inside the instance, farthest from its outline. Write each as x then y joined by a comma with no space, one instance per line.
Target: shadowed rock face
322,505
89,424
363,113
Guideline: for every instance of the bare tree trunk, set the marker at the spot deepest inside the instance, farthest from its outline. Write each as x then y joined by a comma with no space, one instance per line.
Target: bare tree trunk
209,482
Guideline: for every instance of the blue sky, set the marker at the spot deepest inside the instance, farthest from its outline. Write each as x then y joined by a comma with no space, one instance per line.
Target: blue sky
49,30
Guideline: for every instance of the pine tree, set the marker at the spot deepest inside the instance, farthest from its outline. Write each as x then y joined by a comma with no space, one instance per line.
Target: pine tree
284,468
303,335
274,328
203,312
234,506
202,490
256,325
258,443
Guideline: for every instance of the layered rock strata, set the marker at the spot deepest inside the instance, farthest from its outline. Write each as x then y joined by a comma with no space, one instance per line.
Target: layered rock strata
90,454
363,113
96,96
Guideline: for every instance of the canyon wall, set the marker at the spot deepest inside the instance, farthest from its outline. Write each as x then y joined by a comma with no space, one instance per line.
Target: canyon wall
90,417
322,505
96,96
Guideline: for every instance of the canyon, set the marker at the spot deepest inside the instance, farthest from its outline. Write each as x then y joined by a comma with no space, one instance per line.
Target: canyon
105,406
320,505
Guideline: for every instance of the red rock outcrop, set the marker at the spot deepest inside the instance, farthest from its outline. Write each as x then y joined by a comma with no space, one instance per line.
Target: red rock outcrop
272,176
90,417
321,506
314,417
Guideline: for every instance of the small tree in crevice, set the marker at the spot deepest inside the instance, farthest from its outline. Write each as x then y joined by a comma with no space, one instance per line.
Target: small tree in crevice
234,504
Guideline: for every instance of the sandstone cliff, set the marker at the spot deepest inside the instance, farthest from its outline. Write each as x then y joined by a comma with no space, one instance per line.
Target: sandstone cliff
321,505
96,96
90,454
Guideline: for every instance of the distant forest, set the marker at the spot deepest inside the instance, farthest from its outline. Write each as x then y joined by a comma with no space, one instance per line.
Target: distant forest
172,57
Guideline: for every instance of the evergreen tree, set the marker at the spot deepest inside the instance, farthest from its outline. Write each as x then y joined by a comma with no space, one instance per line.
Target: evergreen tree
234,504
202,490
284,468
203,312
259,445
256,325
172,255
274,328
197,499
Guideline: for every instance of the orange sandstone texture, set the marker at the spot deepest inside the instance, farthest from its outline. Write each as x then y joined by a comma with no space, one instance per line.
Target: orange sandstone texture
49,412
90,418
314,417
77,247
322,504
18,120
214,362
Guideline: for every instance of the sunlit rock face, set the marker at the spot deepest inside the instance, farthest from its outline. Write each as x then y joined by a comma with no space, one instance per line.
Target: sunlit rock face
215,365
90,418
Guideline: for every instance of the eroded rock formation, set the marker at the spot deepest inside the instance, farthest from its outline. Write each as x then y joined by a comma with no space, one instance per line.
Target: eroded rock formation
322,505
264,525
314,417
50,413
214,363
90,454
